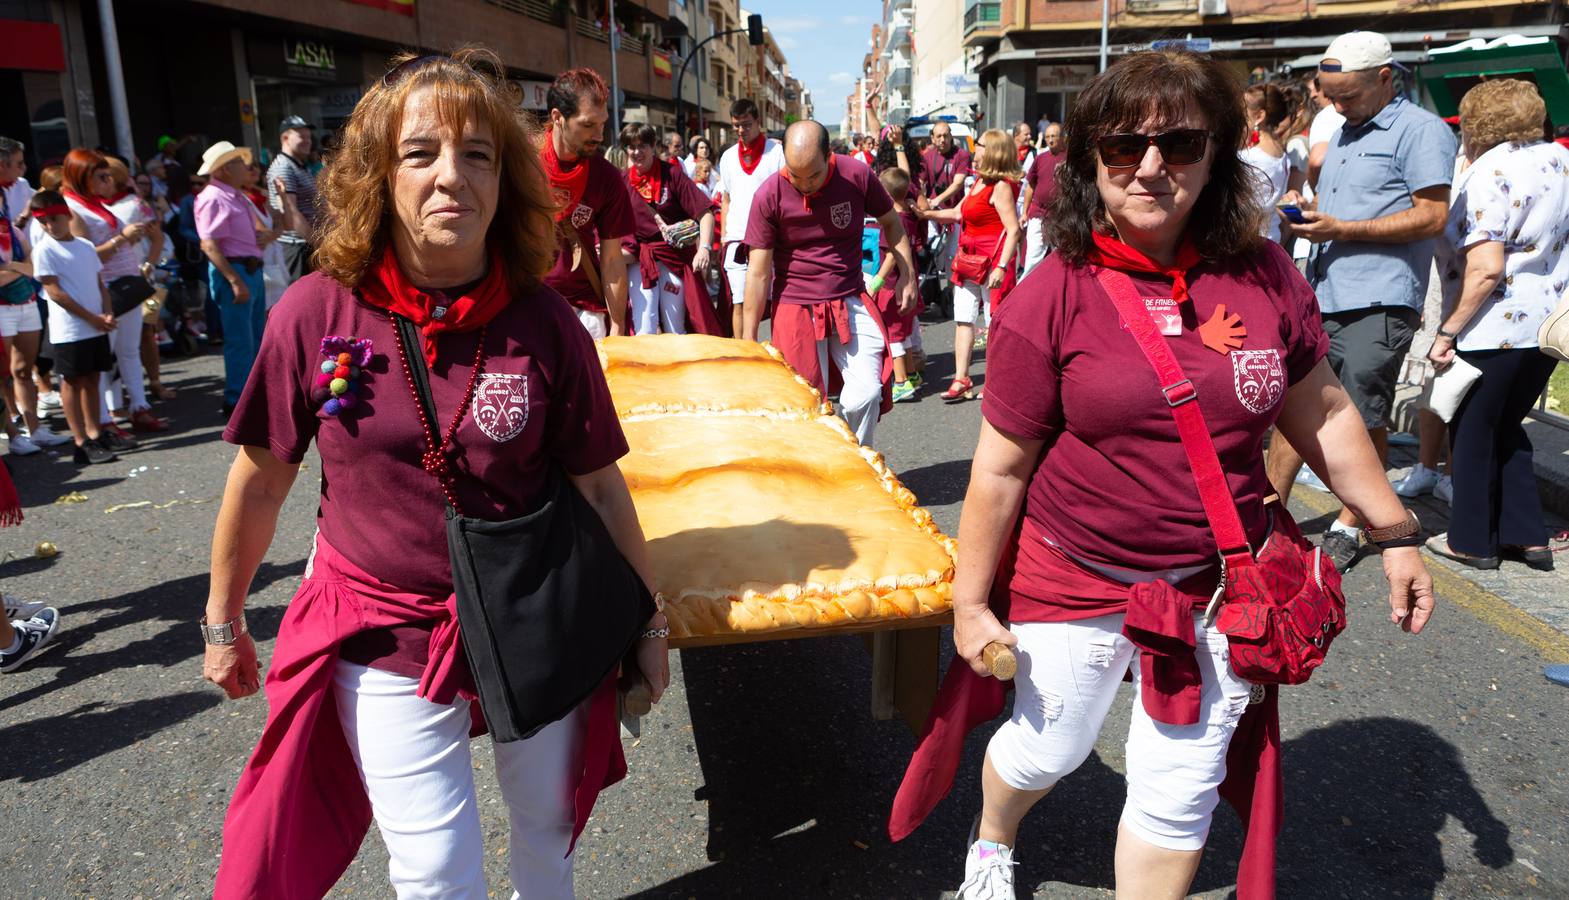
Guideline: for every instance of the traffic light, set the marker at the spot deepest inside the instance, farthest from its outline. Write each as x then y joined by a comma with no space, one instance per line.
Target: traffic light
754,30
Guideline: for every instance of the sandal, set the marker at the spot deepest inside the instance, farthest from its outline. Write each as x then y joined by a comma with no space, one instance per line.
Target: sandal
961,389
1438,544
143,421
163,393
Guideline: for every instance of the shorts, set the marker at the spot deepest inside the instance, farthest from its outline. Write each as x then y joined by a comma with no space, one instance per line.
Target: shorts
1366,348
597,324
88,357
19,318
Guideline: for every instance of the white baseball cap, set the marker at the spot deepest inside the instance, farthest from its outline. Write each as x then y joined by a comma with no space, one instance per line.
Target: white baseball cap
1355,51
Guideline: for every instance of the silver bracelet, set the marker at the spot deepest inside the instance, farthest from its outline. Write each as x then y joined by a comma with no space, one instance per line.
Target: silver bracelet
224,633
662,632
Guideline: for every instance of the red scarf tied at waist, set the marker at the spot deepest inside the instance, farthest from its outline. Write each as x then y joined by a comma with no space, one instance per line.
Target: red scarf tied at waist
751,153
700,315
567,185
1114,254
386,286
96,206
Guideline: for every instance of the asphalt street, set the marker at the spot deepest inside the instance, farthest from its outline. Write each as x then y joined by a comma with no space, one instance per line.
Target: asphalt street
1416,767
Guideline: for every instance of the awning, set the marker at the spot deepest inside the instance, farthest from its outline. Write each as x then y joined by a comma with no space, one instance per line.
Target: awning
31,46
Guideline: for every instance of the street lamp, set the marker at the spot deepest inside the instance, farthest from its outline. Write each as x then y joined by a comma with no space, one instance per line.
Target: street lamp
754,36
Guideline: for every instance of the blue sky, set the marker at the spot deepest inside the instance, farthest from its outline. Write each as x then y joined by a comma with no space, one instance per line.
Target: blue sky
824,42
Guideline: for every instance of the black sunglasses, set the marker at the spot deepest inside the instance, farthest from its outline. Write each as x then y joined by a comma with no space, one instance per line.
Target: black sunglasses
397,72
1182,147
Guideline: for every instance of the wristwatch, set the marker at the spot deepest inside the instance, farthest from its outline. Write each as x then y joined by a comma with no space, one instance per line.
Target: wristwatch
225,633
1447,334
1405,534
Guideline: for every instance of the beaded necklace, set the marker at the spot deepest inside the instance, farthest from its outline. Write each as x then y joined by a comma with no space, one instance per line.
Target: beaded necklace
437,458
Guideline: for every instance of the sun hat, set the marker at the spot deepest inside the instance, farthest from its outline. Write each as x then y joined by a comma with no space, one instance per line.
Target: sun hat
218,155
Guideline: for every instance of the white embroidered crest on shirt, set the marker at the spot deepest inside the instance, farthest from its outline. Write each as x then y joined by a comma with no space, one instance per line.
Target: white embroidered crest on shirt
1260,378
582,216
501,406
839,214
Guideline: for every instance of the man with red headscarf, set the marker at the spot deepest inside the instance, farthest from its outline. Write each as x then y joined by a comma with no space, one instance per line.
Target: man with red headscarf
593,212
805,232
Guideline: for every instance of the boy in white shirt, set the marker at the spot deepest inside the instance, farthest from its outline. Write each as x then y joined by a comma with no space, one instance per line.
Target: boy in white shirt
79,325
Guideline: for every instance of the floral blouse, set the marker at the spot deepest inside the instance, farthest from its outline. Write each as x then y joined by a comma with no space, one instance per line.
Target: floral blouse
1517,194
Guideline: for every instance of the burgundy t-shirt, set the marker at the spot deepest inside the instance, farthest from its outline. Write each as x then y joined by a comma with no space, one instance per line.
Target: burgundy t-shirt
1114,487
1043,179
817,251
913,229
938,171
678,200
541,399
603,214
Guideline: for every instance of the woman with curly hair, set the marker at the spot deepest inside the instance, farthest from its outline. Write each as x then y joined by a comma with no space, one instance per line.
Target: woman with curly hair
437,215
1503,268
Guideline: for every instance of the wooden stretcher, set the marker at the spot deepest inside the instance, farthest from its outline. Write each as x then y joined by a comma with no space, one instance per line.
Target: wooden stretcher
766,520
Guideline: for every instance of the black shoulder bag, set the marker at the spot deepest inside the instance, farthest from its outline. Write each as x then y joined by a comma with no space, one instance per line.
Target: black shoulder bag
547,606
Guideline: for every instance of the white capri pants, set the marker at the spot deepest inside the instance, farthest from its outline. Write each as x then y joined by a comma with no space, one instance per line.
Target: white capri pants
414,758
1035,245
657,308
126,343
1068,677
969,304
860,364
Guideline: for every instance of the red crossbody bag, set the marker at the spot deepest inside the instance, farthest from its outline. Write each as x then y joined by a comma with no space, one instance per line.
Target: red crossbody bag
1279,608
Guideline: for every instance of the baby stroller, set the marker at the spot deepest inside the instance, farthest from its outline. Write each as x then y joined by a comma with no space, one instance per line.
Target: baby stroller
936,289
180,318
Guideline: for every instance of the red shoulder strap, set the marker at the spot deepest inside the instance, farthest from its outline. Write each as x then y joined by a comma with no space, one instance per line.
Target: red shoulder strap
1219,506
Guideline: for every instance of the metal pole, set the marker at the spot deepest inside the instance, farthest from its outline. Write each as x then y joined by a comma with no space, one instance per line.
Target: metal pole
681,79
615,83
1105,24
116,75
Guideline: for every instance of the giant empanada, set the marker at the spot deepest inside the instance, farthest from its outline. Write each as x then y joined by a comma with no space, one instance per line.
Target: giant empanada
697,373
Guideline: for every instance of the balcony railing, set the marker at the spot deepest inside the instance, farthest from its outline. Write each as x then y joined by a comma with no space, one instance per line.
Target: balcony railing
982,15
534,9
1162,6
628,43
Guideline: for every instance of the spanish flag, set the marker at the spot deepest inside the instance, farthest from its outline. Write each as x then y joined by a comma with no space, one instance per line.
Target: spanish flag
662,64
402,7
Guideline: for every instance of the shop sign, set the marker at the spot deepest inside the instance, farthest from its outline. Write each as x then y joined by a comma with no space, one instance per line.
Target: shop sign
961,88
1062,77
310,59
535,94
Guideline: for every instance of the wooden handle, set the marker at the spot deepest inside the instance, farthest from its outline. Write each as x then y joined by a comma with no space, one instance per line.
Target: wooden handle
1000,661
637,701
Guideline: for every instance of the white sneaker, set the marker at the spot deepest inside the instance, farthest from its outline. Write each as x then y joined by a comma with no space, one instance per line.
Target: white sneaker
22,445
44,436
18,609
988,877
1419,481
49,400
1306,477
1445,489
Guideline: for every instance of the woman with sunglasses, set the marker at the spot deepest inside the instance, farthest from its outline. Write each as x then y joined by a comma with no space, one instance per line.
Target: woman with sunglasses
983,270
436,213
1079,439
667,268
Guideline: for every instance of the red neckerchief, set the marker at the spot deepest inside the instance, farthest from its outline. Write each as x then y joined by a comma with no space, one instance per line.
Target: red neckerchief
569,182
258,199
6,185
97,207
1114,254
752,154
386,287
1024,153
647,186
806,199
117,197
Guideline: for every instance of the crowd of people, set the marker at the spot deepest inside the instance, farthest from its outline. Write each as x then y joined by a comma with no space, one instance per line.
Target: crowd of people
1279,235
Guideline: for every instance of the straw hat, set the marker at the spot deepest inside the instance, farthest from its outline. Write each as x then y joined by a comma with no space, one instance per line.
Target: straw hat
219,155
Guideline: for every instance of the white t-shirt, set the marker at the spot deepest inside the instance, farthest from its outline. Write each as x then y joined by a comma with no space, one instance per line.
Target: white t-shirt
75,263
17,196
740,187
1270,176
133,210
1326,122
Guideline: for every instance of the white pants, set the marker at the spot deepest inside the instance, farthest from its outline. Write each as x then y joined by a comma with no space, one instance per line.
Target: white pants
125,341
598,324
1068,677
660,305
735,274
414,758
969,304
1035,245
860,364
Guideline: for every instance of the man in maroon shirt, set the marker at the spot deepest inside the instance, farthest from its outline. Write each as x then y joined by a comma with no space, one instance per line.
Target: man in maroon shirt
944,167
593,212
1040,186
805,230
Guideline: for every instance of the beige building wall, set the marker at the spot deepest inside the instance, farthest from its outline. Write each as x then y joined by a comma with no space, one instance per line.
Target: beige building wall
939,50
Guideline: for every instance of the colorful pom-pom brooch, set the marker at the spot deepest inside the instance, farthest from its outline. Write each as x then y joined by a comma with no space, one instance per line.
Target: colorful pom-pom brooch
342,373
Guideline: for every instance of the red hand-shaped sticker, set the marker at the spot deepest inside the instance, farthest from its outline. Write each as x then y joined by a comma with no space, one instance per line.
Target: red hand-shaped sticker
1223,333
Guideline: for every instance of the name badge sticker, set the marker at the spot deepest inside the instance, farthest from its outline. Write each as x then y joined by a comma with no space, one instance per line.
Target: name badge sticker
1166,315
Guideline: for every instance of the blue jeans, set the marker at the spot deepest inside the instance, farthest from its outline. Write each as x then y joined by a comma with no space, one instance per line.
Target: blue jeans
242,327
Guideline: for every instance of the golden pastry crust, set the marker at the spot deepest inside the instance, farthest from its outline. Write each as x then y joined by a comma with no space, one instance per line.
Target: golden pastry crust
694,373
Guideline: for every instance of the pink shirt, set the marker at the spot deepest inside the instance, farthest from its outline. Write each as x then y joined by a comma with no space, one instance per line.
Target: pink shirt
226,216
817,247
1114,487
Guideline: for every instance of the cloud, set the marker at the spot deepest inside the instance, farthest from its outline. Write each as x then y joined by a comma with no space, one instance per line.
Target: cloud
852,20
841,78
787,42
791,24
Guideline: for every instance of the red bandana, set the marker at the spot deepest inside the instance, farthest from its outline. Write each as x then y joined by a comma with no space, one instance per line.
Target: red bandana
1114,254
1024,153
96,206
6,185
567,185
647,186
59,209
752,154
806,199
386,287
258,199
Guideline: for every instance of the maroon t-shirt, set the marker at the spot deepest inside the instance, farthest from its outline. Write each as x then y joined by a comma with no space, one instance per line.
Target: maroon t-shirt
914,229
939,171
678,200
541,399
817,251
603,214
1113,487
1043,179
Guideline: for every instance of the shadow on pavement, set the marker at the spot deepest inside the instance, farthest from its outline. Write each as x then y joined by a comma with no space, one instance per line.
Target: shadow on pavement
938,484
